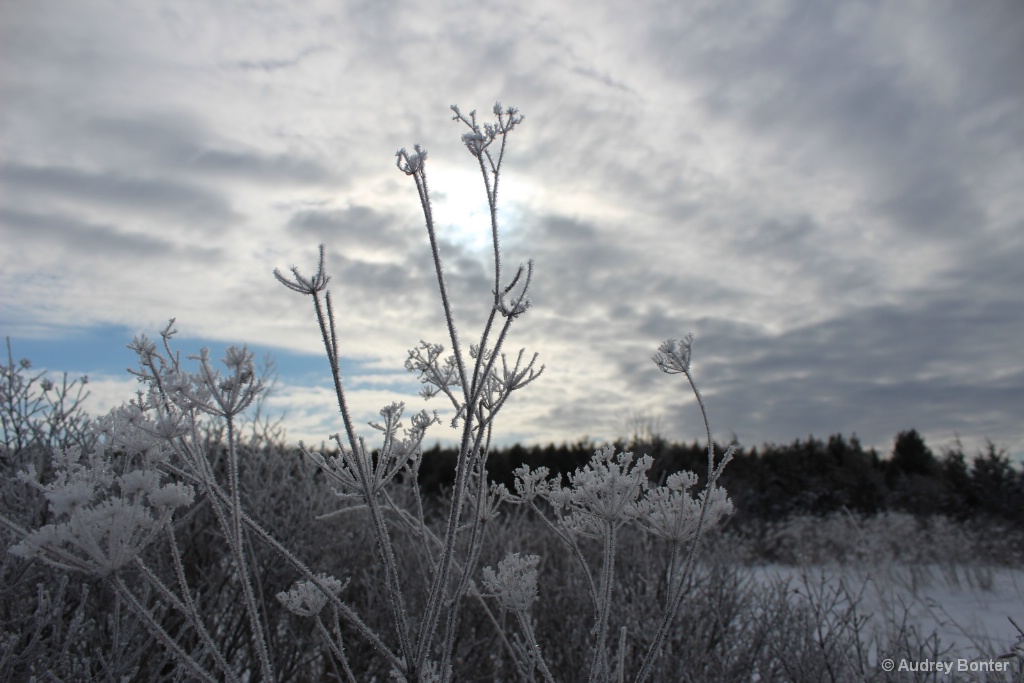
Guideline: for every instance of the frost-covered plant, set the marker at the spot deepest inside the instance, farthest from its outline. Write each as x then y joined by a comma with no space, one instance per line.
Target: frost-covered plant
37,414
151,458
613,490
152,464
514,585
105,519
477,382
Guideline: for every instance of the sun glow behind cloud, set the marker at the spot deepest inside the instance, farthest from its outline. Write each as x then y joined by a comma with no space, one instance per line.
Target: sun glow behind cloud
461,211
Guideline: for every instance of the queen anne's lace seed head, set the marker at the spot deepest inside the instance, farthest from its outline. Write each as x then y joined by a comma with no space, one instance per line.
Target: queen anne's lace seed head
531,483
515,583
123,429
476,142
102,533
671,513
674,355
172,496
411,164
603,491
139,481
74,495
108,503
306,598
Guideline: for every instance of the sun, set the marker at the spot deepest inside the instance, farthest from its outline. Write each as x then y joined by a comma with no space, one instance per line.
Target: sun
460,206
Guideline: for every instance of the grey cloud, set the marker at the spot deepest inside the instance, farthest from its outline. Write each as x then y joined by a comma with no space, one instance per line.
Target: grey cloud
72,233
575,263
935,203
187,202
373,281
184,144
280,63
567,418
259,167
603,78
877,371
819,79
360,225
989,267
53,230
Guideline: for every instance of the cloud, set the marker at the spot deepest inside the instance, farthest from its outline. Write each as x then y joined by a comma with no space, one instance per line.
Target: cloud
69,233
354,225
827,195
177,143
179,201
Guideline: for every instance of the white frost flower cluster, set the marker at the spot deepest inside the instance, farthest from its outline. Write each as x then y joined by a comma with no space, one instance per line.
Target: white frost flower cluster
671,513
603,492
104,519
306,598
674,355
134,428
613,489
515,583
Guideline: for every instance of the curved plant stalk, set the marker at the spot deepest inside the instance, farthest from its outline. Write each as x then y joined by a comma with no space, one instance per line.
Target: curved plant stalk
674,357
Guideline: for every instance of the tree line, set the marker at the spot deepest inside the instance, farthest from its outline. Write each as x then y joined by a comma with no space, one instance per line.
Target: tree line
807,476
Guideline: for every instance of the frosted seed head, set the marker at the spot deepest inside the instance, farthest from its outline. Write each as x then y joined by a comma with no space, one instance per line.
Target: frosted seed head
606,487
65,499
531,483
411,164
306,598
681,481
476,142
238,357
674,355
515,583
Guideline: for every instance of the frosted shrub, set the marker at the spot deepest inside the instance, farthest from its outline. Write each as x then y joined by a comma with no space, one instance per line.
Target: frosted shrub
152,465
37,413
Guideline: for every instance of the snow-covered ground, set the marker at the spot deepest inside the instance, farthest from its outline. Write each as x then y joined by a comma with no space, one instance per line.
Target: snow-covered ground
968,607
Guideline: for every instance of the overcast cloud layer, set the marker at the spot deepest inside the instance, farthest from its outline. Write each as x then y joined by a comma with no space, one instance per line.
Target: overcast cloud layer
828,195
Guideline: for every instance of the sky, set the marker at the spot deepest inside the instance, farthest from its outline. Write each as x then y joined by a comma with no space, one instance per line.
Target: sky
827,195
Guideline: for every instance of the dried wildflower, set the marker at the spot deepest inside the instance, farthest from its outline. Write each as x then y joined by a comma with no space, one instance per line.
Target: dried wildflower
303,285
603,491
671,513
357,471
515,583
532,483
306,598
674,355
411,164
